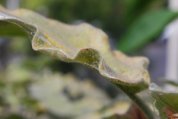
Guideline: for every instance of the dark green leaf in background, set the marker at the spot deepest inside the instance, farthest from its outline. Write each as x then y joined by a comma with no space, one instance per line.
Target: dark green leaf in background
145,29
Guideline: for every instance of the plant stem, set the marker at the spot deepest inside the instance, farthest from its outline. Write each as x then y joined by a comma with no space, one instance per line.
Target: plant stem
146,110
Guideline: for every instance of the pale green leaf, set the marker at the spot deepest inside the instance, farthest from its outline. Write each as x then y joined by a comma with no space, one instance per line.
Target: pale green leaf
83,44
120,108
65,96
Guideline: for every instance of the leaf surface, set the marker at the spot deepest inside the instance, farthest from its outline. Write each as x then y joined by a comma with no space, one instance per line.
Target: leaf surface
83,44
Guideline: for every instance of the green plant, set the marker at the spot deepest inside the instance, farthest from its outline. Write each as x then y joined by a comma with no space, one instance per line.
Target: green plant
145,29
82,44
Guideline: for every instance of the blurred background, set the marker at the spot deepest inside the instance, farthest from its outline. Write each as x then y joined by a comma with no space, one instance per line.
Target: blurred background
136,27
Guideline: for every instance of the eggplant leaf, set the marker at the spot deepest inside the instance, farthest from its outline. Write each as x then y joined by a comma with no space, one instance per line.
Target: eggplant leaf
83,44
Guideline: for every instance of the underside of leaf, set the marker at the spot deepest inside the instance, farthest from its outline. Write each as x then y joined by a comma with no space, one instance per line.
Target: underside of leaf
83,44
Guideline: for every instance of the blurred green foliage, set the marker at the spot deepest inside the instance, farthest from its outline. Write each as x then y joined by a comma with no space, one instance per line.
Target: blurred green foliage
2,2
26,94
145,29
